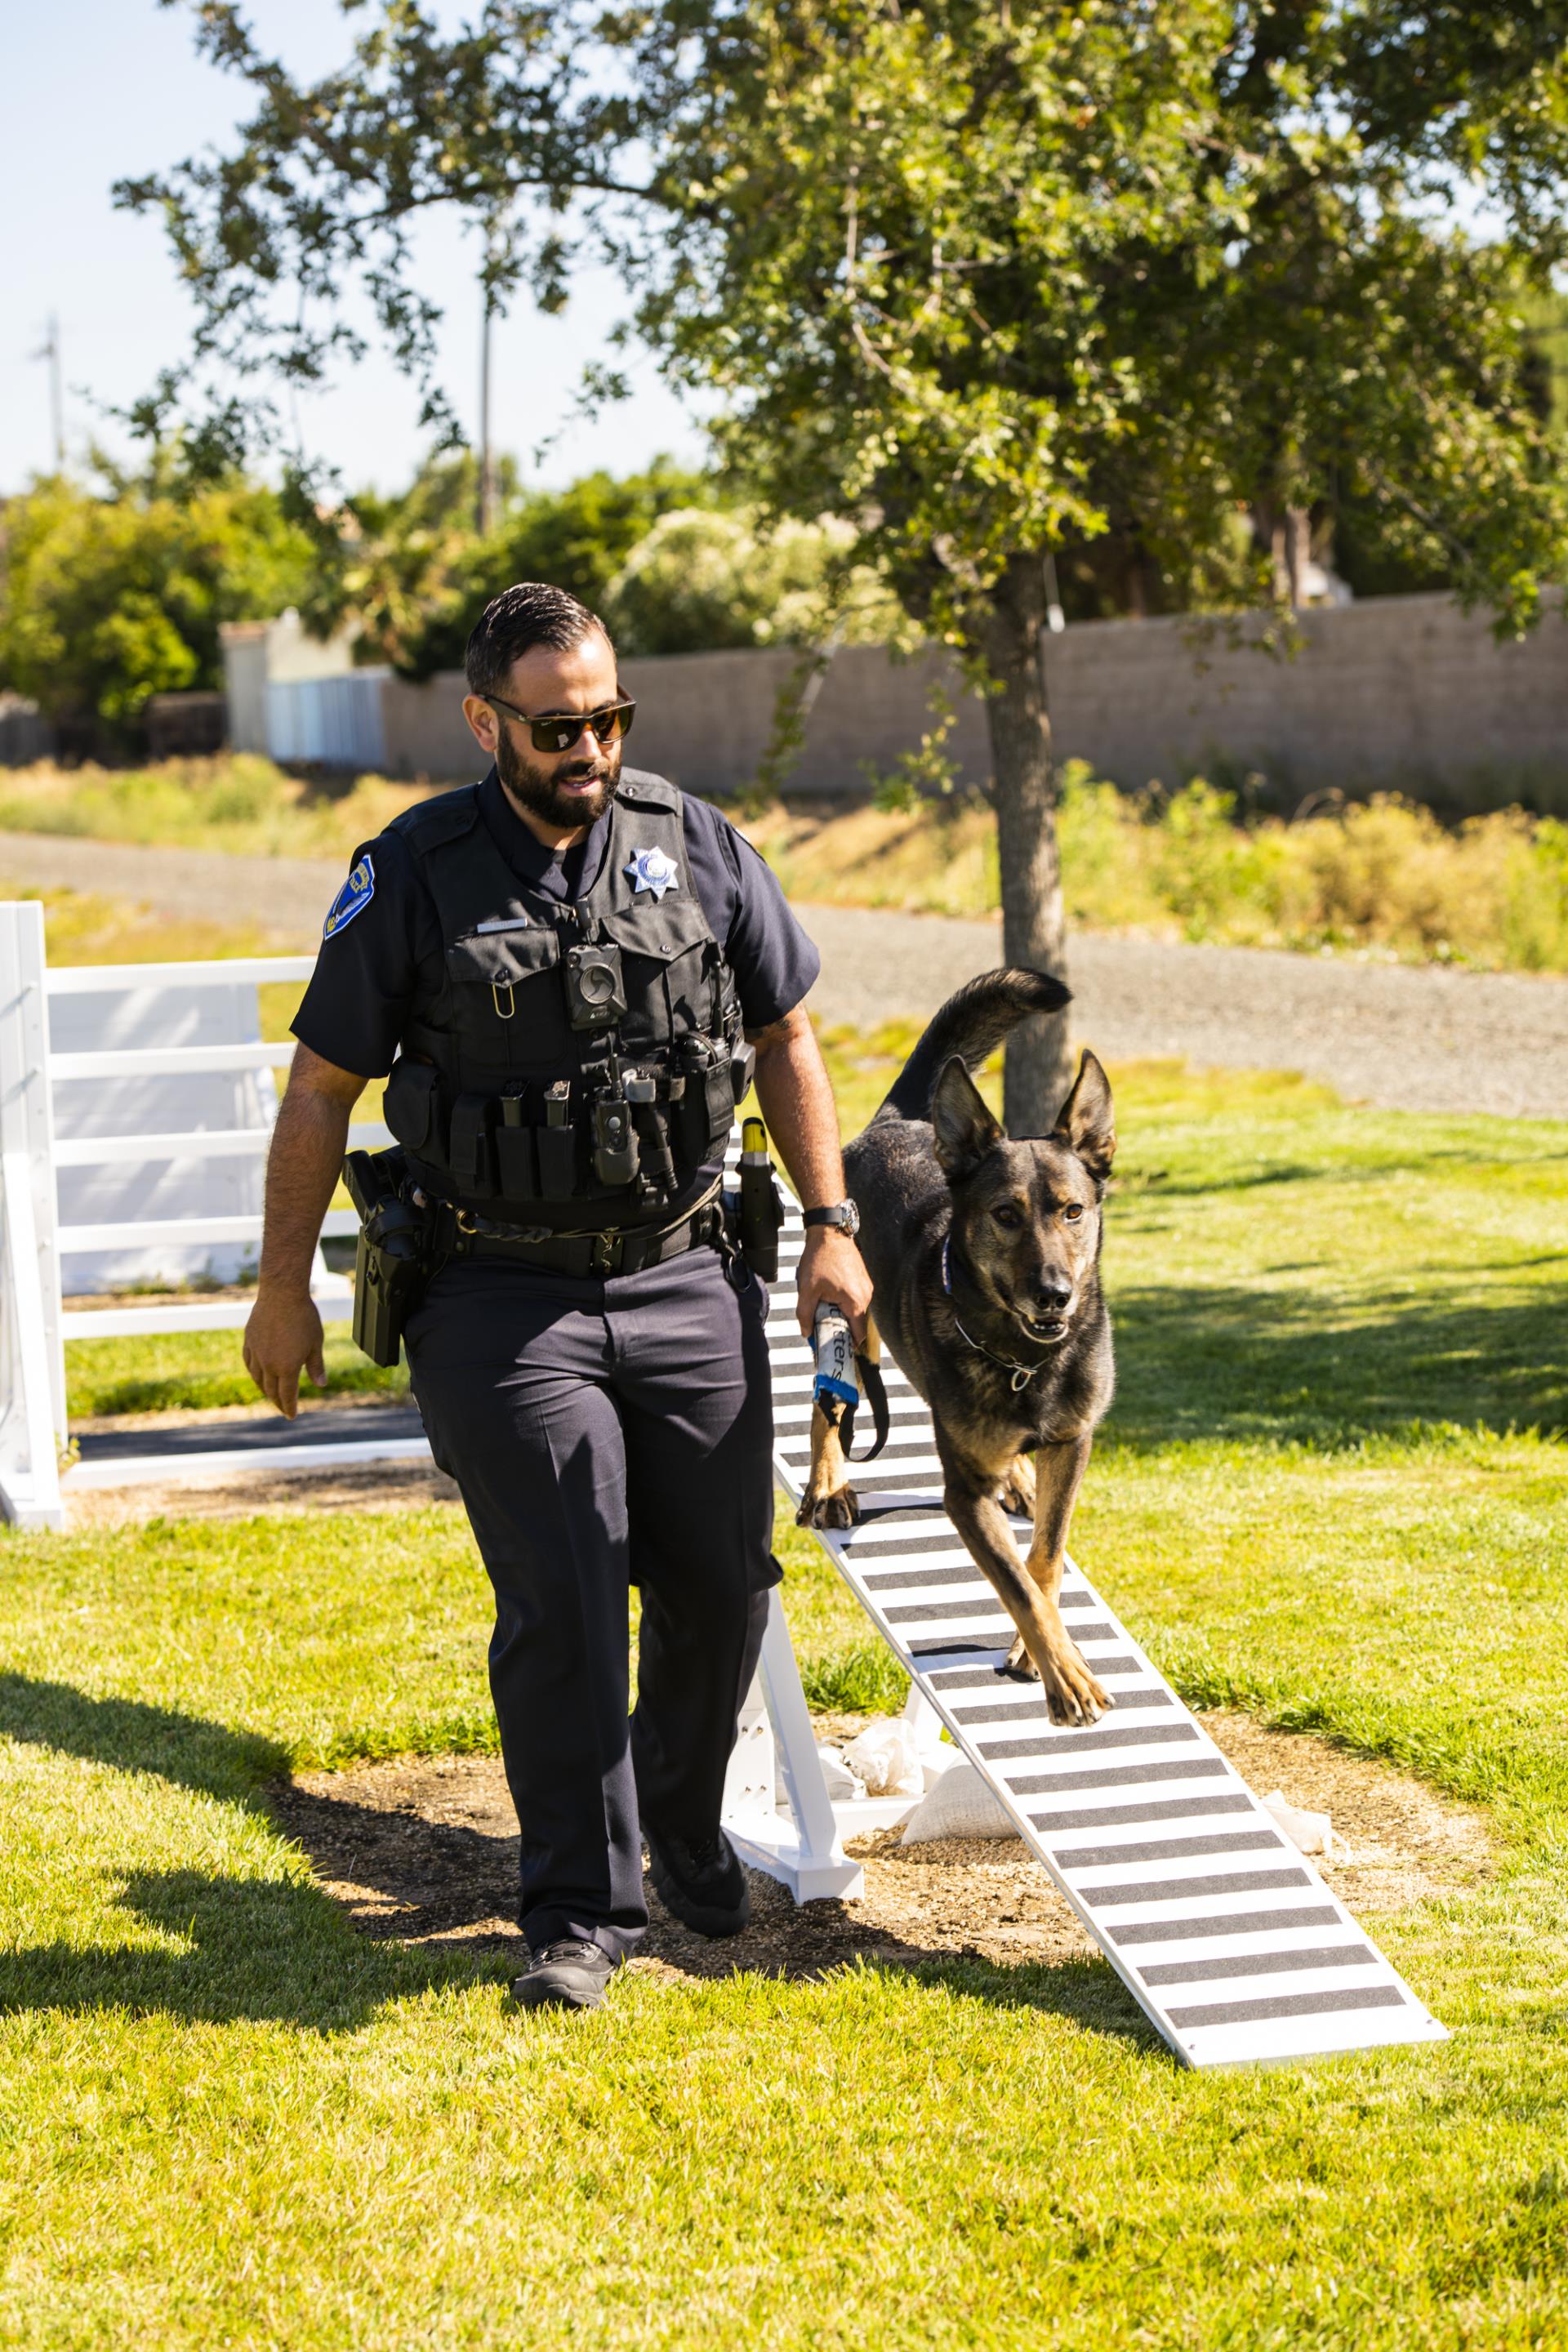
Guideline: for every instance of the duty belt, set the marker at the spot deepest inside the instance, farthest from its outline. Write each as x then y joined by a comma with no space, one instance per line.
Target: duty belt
464,1234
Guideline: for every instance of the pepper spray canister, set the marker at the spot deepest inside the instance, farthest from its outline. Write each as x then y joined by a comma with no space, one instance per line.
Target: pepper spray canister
761,1211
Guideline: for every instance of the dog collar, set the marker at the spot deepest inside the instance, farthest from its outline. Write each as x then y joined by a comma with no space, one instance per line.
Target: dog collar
1022,1373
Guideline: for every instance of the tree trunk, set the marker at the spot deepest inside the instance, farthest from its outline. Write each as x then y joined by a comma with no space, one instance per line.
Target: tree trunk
1287,533
1033,925
1298,553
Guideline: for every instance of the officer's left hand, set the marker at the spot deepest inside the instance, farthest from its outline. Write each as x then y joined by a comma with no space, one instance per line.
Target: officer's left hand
832,1268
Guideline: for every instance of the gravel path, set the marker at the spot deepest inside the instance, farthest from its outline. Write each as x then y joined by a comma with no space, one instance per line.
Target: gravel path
281,894
1410,1038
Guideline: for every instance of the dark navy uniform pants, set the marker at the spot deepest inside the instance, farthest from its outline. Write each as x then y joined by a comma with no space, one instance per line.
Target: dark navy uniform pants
606,1434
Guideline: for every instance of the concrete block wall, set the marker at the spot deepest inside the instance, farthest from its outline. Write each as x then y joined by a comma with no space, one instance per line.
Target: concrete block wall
705,719
1405,692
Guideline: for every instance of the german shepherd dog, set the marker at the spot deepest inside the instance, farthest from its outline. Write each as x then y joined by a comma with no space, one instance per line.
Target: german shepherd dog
983,1252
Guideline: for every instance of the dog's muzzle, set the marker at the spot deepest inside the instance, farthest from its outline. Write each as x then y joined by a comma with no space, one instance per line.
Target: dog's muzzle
1045,1323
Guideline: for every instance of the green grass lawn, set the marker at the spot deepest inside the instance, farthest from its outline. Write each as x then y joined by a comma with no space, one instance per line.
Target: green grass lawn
201,1371
1335,1490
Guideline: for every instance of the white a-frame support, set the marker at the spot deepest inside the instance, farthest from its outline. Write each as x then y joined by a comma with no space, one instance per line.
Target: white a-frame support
777,1810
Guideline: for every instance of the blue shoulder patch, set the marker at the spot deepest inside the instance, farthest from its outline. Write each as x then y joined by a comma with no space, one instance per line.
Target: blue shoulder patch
351,899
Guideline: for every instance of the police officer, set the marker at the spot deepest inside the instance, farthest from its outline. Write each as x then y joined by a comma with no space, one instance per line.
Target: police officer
565,969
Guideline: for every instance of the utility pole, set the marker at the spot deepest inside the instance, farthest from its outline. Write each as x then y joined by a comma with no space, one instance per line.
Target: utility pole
493,277
50,351
486,505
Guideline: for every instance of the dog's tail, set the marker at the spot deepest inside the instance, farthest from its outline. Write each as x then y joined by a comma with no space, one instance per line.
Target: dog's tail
972,1024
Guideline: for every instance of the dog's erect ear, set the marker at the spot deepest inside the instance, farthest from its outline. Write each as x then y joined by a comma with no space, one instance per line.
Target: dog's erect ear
1086,1122
965,1129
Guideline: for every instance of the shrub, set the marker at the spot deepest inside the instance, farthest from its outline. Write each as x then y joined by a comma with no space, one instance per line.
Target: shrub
1204,868
105,600
704,578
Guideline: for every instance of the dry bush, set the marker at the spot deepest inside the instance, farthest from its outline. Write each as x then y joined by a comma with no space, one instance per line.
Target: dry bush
1389,875
235,801
1382,877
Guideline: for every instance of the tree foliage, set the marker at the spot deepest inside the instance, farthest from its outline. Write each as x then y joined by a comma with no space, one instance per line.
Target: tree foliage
670,567
107,597
1003,281
705,578
994,281
412,576
1082,246
387,563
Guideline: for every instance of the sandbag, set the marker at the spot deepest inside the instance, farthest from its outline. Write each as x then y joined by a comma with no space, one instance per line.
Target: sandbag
960,1805
1308,1832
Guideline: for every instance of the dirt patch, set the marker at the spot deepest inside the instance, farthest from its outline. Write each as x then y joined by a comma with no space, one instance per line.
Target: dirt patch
1405,1842
425,1850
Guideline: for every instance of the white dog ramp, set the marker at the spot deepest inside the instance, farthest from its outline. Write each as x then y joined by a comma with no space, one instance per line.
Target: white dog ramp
1225,1935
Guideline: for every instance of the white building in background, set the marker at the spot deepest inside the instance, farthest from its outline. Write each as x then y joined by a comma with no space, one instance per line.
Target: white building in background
299,698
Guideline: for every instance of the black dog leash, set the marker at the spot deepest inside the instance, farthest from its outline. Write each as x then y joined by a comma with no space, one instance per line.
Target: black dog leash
873,1386
1022,1373
834,1393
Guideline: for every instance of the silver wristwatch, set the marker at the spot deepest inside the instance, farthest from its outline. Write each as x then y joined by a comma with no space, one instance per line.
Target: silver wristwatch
842,1213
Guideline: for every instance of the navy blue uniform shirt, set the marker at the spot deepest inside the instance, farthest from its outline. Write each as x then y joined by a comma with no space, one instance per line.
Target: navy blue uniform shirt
377,970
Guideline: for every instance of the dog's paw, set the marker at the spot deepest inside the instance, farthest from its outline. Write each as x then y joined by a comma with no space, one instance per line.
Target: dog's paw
839,1510
1072,1693
1020,1666
1017,1496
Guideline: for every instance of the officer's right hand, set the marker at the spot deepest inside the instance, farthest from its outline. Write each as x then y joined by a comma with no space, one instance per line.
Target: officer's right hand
282,1337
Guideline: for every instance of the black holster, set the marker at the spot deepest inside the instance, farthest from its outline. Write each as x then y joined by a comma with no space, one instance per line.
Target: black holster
392,1264
758,1215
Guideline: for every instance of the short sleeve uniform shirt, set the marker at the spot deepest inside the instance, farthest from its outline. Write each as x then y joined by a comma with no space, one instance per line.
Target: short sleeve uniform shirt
379,967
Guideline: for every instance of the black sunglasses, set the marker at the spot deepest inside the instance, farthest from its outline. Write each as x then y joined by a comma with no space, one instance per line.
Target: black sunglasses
558,731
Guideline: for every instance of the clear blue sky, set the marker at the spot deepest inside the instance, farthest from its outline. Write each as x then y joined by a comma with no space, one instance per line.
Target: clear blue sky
92,90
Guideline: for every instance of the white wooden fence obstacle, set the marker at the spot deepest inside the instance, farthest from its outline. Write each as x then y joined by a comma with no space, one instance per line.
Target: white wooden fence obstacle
136,1105
1226,1937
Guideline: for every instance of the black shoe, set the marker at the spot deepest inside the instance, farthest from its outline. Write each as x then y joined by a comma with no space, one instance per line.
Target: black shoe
700,1880
567,1975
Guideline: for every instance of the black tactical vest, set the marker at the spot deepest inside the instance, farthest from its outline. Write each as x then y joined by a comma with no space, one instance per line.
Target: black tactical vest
578,1064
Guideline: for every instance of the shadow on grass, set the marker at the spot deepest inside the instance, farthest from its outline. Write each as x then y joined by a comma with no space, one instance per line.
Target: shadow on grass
1291,1365
409,1875
1145,1187
286,1951
134,1736
1087,1993
1142,1190
262,1947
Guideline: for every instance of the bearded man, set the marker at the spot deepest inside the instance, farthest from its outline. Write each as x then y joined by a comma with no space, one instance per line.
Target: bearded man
563,973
